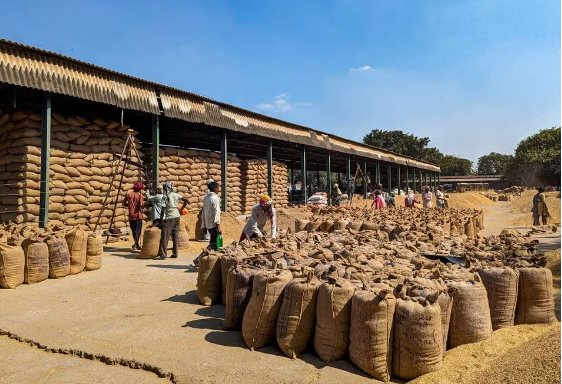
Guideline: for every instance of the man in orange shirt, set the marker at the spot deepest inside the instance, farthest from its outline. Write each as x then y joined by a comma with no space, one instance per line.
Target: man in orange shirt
134,201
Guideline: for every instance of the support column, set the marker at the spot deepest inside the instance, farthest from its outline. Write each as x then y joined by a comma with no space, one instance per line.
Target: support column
389,178
317,176
303,173
224,173
45,162
329,178
155,151
421,181
365,192
438,179
399,183
378,173
407,180
348,178
270,168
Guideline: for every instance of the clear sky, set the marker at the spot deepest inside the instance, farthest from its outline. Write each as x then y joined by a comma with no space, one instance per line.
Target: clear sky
475,76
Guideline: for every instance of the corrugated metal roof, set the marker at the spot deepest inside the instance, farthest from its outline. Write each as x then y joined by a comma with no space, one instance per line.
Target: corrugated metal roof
48,71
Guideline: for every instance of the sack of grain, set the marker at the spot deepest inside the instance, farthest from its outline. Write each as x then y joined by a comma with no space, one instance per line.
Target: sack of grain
340,224
36,260
501,285
238,291
12,264
370,334
470,317
535,299
226,262
445,302
260,318
417,339
333,313
209,278
78,246
296,319
183,236
300,225
355,225
94,251
313,226
150,243
59,257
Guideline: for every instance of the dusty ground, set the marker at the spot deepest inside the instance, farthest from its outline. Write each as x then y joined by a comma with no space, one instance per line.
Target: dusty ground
144,313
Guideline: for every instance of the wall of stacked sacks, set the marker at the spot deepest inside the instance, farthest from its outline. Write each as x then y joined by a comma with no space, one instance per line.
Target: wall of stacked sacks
375,298
82,159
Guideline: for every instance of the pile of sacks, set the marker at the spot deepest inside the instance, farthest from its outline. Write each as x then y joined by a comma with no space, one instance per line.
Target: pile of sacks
254,183
30,255
80,169
378,301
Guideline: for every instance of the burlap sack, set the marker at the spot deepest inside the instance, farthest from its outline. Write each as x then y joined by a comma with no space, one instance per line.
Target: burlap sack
226,262
238,292
501,285
260,318
470,317
150,243
340,225
445,302
296,319
355,225
12,265
535,300
209,278
370,334
300,225
77,240
59,257
333,313
417,340
94,252
36,260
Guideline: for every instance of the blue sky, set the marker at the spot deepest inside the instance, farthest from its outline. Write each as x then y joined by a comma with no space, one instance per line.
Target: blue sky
474,76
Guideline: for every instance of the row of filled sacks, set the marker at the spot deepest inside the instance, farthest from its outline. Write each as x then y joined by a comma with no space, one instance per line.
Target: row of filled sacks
55,256
401,332
150,244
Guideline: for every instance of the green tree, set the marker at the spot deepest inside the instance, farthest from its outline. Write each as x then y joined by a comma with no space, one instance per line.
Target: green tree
537,159
397,141
494,164
432,155
455,166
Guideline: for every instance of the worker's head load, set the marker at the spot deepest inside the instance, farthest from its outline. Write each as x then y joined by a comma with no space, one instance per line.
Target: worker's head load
138,186
336,185
265,201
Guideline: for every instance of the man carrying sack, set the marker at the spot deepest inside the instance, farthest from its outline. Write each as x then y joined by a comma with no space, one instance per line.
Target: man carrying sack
170,220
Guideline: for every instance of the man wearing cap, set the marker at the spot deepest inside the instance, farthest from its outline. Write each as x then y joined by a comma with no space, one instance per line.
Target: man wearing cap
134,201
211,214
261,213
170,217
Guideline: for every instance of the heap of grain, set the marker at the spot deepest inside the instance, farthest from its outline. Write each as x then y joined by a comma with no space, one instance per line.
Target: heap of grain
375,296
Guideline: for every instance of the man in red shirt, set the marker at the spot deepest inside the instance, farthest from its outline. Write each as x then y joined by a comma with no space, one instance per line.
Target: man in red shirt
134,201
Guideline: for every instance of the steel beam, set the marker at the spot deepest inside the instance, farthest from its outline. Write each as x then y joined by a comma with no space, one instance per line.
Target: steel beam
399,183
389,178
303,174
224,171
348,170
407,180
329,178
365,192
155,150
270,168
45,162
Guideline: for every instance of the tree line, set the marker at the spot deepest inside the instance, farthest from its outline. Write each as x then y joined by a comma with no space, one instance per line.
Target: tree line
536,159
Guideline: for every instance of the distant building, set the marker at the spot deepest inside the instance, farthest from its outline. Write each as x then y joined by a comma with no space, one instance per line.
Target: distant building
474,182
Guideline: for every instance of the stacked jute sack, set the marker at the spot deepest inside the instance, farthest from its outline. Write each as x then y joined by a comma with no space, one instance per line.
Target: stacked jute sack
29,255
448,221
189,171
80,169
392,311
254,183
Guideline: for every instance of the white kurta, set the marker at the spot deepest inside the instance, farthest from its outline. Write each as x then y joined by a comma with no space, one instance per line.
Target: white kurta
258,219
211,215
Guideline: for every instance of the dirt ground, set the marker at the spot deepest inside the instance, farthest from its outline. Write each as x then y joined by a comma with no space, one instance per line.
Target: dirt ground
92,327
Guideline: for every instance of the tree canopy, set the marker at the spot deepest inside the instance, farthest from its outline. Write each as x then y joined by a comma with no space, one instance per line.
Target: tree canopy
455,166
494,164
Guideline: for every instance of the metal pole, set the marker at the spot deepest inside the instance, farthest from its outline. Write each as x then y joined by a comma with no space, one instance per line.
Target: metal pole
407,180
45,162
329,178
399,184
156,149
378,173
317,176
438,179
389,177
365,192
224,173
349,177
270,168
303,173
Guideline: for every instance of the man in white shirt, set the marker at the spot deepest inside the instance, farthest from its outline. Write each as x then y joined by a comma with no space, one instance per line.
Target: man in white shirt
261,214
440,197
211,215
170,219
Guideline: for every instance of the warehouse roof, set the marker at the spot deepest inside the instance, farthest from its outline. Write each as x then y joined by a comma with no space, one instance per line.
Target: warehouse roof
48,71
471,178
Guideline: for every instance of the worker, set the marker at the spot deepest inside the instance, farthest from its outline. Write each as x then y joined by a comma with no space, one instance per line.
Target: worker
440,196
427,196
206,234
211,214
390,201
170,220
540,210
156,201
134,201
261,214
411,201
336,194
378,201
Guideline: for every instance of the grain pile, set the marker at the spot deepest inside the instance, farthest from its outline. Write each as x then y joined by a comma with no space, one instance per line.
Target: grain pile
392,309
